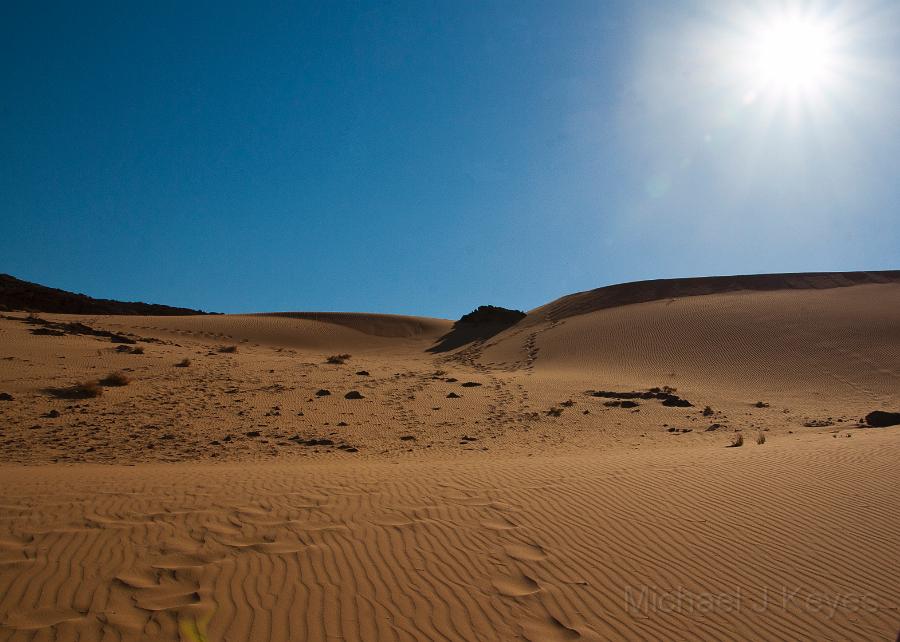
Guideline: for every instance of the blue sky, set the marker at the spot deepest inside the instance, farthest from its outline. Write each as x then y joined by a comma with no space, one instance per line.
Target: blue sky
426,158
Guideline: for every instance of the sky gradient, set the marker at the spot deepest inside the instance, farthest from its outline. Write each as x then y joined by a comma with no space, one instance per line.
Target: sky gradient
426,158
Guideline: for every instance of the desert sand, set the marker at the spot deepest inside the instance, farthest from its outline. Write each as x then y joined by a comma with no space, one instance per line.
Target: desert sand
567,478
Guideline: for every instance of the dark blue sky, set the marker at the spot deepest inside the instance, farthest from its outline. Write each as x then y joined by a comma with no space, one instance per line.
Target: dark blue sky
426,158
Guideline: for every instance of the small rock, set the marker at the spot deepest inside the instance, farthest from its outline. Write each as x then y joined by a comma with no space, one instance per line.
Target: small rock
5,396
363,373
323,393
252,433
452,395
354,394
470,384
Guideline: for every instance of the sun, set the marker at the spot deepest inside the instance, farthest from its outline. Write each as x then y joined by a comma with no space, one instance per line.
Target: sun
792,53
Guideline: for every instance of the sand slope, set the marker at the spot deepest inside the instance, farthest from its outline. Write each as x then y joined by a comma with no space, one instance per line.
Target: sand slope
793,541
478,493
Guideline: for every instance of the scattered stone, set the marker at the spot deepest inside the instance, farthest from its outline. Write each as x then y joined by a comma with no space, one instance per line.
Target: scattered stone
818,423
665,394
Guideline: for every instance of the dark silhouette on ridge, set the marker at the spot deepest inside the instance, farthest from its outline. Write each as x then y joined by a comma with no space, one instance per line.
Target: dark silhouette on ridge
16,294
479,324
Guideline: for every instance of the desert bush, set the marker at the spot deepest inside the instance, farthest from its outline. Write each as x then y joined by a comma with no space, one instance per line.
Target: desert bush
228,349
116,379
137,350
337,359
708,412
81,390
737,441
184,363
554,412
760,438
761,404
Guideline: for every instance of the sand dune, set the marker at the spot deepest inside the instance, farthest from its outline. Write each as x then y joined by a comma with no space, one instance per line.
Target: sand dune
483,492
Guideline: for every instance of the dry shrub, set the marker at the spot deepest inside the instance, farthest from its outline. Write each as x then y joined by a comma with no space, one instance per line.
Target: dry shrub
737,441
116,379
228,349
184,363
81,390
337,359
760,438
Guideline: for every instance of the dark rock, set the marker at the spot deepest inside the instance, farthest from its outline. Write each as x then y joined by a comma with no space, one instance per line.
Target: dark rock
363,373
53,414
253,433
470,384
761,404
354,394
452,395
881,419
5,396
713,427
629,404
407,437
323,393
16,294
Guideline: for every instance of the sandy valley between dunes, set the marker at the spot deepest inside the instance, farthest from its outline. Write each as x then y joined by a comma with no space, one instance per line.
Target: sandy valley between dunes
499,490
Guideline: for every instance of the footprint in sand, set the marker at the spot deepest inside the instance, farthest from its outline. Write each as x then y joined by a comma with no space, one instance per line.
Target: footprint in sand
41,618
515,585
525,552
499,524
